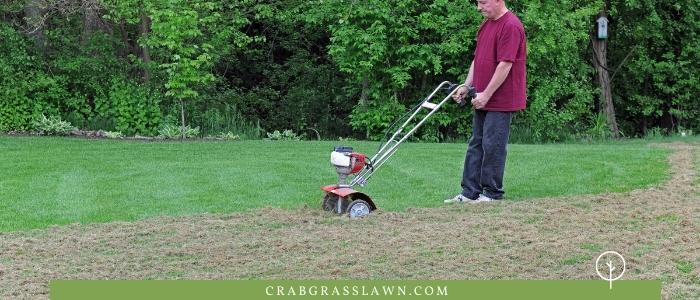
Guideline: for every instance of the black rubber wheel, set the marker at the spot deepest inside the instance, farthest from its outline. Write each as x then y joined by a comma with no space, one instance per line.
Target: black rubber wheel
330,203
359,208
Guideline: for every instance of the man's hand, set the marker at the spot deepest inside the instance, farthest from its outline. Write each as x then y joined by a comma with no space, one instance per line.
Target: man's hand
458,96
480,100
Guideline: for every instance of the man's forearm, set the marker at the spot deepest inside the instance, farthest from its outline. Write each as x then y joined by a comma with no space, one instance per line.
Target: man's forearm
470,76
498,77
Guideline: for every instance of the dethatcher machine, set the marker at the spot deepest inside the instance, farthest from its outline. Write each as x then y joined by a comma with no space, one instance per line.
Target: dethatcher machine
357,168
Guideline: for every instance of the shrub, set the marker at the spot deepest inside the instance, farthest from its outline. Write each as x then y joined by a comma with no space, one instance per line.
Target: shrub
52,126
170,131
375,117
218,116
114,134
134,108
286,135
228,136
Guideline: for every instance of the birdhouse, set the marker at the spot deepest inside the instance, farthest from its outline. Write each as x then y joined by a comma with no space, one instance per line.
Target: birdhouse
602,27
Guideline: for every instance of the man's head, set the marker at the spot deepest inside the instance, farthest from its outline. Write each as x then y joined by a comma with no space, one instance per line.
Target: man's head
491,9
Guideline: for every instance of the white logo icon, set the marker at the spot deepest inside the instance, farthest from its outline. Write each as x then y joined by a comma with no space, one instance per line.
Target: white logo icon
611,260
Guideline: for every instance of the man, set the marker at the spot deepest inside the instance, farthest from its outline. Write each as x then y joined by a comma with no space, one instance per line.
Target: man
498,74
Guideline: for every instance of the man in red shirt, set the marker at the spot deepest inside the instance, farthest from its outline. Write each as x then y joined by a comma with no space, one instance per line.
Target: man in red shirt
498,74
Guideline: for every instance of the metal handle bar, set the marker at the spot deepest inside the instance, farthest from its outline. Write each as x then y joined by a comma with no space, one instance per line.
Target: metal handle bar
388,149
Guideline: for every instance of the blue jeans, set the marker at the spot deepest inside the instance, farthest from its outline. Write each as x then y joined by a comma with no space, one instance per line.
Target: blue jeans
485,162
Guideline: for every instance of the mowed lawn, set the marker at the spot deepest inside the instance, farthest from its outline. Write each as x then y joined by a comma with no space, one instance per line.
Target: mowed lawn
51,181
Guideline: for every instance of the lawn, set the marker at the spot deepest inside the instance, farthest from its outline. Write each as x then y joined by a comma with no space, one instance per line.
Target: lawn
47,181
546,229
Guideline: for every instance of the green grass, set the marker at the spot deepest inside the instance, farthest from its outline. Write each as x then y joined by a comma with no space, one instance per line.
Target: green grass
46,181
696,162
595,248
684,266
668,218
576,259
642,249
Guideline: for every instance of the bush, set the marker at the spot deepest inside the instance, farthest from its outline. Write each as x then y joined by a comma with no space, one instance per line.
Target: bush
215,115
375,117
52,126
286,135
228,136
224,136
25,91
133,107
600,129
170,131
114,134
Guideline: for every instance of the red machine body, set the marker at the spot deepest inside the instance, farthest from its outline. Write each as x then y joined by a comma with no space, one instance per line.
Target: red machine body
358,163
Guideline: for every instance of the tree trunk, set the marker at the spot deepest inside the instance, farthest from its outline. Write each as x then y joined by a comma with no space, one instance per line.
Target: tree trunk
145,28
364,94
34,17
182,116
670,116
90,21
601,66
124,52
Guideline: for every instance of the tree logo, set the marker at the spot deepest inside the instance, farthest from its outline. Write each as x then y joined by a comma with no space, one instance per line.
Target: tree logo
613,263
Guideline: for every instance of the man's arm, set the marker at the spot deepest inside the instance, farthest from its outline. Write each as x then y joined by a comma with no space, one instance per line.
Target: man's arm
497,79
458,96
470,76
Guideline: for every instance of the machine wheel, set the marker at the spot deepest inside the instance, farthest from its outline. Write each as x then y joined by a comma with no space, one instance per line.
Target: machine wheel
330,203
359,208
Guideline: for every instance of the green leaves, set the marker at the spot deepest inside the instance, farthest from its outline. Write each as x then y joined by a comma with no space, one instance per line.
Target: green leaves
175,26
561,93
396,50
659,81
375,117
307,65
51,126
135,108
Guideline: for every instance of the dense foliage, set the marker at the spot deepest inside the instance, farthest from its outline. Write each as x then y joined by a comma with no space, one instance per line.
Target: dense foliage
334,68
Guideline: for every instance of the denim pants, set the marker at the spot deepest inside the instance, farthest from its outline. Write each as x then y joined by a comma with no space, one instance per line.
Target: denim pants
485,162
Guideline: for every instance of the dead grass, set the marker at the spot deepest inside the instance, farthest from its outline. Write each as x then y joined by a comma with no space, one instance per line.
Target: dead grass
656,229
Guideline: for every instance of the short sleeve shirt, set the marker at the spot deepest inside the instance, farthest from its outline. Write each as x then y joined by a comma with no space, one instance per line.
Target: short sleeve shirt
502,40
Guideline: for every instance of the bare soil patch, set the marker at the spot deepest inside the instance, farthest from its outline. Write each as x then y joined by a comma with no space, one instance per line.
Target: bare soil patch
656,229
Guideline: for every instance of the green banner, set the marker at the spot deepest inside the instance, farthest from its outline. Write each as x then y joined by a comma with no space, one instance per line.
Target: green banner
355,289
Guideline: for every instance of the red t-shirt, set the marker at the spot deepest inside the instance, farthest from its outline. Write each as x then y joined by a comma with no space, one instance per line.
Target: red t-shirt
501,40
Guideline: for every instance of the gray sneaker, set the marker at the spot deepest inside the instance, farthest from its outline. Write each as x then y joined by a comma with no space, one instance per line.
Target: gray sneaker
459,199
483,198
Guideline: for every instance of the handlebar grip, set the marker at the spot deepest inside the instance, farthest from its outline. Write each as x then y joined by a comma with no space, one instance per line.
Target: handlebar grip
471,92
451,87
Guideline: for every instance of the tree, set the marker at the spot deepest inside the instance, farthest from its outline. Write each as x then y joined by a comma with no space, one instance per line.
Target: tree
189,38
393,51
658,83
600,61
34,23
